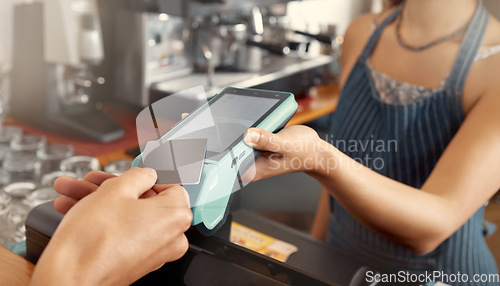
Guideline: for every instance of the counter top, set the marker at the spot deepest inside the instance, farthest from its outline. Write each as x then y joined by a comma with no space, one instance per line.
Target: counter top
278,68
14,270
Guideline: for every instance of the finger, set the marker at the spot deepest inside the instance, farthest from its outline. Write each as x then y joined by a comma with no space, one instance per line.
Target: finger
149,194
250,175
63,204
176,195
98,177
134,182
160,188
184,115
261,139
177,249
73,188
177,245
160,266
268,165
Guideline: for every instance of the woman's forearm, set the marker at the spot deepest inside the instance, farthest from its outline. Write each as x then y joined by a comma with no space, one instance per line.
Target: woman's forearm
464,177
319,227
414,218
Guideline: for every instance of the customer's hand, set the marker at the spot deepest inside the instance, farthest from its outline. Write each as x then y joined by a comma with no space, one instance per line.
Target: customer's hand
116,229
293,149
74,190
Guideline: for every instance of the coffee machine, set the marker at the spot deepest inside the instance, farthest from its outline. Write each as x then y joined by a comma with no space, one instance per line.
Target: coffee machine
150,47
56,43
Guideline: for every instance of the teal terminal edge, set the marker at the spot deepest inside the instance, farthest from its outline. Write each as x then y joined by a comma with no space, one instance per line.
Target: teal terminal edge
210,197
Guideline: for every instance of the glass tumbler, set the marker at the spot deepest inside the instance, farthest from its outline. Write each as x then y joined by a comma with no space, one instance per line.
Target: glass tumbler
19,191
80,165
39,196
22,166
7,233
28,144
49,179
4,177
52,155
7,133
4,151
118,167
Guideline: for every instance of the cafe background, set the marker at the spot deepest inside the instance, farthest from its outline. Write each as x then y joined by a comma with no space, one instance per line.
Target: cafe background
71,86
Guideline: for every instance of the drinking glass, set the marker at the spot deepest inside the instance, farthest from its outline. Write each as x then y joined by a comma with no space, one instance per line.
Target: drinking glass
49,179
52,155
4,151
22,166
8,230
4,177
80,165
39,196
7,133
18,191
28,144
118,167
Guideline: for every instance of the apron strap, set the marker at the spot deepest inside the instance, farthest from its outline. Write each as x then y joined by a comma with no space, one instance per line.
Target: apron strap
378,31
468,50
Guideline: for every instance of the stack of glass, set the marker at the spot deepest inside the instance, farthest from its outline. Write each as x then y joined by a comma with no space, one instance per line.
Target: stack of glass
29,167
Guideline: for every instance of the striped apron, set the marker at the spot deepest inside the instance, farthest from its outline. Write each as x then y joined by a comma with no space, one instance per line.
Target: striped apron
404,142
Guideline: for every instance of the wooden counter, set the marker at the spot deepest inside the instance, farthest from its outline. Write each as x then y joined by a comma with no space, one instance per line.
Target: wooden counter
14,270
321,101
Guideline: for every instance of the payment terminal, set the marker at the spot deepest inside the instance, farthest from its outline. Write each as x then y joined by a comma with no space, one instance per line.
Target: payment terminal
220,125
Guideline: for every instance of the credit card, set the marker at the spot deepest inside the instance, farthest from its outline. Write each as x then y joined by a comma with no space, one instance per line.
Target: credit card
177,161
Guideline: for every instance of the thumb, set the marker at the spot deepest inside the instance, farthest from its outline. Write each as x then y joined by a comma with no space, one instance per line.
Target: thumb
134,182
263,140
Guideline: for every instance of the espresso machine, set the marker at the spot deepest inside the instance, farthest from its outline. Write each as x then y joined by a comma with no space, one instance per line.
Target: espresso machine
162,47
150,47
56,44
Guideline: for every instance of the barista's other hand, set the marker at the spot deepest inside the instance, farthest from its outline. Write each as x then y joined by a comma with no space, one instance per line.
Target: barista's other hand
293,149
111,236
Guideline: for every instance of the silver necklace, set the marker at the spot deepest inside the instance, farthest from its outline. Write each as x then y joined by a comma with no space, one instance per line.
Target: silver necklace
405,45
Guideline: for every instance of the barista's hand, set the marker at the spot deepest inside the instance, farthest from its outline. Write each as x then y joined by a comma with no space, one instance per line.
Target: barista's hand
111,235
293,149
